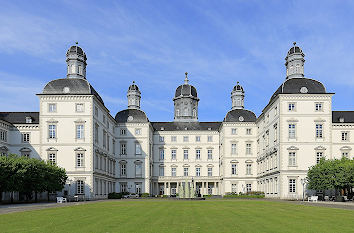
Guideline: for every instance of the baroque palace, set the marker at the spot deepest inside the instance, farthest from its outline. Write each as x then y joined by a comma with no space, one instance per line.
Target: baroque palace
129,153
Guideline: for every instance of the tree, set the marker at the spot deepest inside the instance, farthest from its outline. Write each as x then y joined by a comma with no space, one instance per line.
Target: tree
22,174
337,174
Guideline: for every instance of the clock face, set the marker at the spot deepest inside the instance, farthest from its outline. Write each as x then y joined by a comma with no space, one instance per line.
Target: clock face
241,118
66,90
130,118
304,90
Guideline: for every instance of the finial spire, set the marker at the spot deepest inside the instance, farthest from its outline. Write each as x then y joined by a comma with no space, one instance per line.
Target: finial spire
133,82
186,79
76,42
238,82
294,43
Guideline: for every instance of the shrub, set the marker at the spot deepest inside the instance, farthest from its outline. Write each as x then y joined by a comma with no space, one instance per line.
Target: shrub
145,195
115,195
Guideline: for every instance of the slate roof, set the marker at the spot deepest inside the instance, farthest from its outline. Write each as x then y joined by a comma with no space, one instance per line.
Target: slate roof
19,117
177,126
294,49
186,90
347,116
234,116
76,86
137,115
294,85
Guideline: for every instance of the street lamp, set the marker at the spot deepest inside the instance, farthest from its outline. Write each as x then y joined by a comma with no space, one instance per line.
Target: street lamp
303,182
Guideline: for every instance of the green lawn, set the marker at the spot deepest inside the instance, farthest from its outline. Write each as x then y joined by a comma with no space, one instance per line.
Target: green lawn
181,216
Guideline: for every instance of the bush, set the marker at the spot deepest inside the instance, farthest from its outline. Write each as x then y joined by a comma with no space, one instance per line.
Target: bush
145,195
115,195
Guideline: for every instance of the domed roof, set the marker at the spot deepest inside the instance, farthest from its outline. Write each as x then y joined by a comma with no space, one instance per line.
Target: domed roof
131,116
238,87
70,86
299,86
186,90
240,115
133,87
75,49
294,49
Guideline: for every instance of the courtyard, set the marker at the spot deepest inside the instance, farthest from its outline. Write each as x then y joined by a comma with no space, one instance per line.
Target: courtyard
158,215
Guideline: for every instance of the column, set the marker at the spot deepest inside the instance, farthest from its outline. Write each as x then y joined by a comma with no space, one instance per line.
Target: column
168,188
214,188
164,188
202,189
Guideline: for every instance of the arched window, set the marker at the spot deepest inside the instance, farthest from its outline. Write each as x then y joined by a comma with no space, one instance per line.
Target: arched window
186,111
297,70
80,70
177,112
194,112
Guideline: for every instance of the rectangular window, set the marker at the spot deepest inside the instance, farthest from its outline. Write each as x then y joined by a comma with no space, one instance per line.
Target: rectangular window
173,154
318,107
123,169
248,131
210,138
173,138
25,137
28,120
248,148
185,154
79,131
185,138
138,170
123,187
96,111
234,188
161,171
248,169
52,131
185,171
137,131
197,138
137,148
233,148
123,148
104,119
123,131
319,156
291,107
197,171
210,171
96,133
197,154
52,107
104,133
292,131
345,136
292,158
79,108
79,160
275,111
114,146
233,131
162,154
173,171
233,169
161,138
52,157
248,188
210,154
80,185
292,186
319,131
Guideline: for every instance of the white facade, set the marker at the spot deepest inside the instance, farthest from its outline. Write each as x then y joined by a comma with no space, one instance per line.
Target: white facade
128,153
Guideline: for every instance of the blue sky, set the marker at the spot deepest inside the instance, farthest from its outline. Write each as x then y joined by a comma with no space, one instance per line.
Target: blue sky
156,42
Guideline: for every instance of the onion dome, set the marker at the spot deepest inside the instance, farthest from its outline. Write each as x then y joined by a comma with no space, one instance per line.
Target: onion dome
75,49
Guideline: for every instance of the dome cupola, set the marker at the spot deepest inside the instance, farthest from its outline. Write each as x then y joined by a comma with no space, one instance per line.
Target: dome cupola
295,62
237,97
76,62
186,102
134,96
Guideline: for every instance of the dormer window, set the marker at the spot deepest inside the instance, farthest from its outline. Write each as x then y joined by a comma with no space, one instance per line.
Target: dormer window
341,119
28,120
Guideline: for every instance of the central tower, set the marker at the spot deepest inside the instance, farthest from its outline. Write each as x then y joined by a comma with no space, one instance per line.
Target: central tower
186,102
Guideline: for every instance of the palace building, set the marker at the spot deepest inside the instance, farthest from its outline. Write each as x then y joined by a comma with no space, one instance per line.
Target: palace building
126,152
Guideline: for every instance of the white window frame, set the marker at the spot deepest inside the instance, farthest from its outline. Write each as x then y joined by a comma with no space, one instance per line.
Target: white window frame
210,171
292,186
248,148
210,138
52,107
185,171
319,107
210,154
233,148
197,154
26,137
79,107
80,131
161,138
291,107
319,156
161,154
138,131
52,131
173,171
173,154
292,131
52,158
161,171
80,187
138,150
123,131
345,136
197,138
80,159
123,148
249,131
319,130
173,138
197,171
233,169
185,139
233,131
185,154
248,169
292,159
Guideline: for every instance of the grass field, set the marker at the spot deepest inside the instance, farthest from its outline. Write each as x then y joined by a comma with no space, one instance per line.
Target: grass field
181,216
